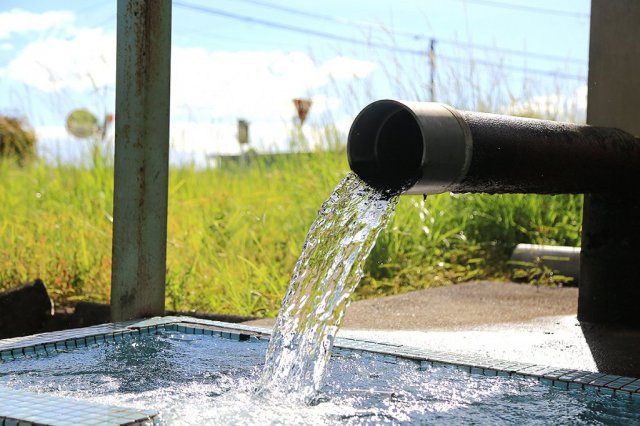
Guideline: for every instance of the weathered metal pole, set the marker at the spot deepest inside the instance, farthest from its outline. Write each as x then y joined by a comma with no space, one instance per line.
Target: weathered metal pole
141,158
609,277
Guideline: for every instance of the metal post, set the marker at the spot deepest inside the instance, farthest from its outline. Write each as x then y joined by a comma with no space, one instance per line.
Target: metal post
609,278
141,158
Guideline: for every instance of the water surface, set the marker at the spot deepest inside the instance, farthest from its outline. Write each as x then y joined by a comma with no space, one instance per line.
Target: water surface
196,380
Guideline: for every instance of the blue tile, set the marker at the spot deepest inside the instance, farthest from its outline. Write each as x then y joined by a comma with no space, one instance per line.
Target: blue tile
576,386
632,387
622,394
603,380
561,384
605,391
620,382
589,378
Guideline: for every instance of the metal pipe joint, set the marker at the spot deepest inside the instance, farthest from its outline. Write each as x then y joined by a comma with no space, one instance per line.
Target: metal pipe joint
428,148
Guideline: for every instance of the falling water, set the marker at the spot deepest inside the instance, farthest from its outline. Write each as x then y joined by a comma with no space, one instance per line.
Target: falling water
327,272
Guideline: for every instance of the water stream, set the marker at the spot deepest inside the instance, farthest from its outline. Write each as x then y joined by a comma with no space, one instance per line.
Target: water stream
327,272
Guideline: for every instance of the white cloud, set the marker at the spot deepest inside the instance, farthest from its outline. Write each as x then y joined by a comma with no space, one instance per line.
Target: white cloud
83,62
17,21
210,89
255,83
342,68
221,138
51,132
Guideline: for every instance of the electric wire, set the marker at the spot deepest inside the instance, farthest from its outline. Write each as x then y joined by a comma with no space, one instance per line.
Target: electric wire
408,34
525,8
370,44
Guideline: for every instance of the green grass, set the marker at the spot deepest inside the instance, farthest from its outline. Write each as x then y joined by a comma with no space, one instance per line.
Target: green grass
234,234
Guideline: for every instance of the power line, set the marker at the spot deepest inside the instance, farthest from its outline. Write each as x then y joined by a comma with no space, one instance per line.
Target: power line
523,53
293,28
560,75
524,8
395,49
414,36
299,12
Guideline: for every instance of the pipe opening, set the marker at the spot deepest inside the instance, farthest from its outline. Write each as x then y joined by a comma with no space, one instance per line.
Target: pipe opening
385,146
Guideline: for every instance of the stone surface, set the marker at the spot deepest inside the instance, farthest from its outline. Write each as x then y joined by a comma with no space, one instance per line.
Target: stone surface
513,322
24,310
474,303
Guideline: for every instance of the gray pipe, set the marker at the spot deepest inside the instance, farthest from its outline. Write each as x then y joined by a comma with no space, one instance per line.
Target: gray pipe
561,259
429,148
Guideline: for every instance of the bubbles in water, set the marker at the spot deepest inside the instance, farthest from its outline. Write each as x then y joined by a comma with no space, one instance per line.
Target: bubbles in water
196,380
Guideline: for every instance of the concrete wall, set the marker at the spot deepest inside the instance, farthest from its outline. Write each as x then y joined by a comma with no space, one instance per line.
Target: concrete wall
610,260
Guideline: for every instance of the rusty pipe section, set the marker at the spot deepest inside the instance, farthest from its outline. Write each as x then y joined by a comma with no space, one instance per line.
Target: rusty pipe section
429,148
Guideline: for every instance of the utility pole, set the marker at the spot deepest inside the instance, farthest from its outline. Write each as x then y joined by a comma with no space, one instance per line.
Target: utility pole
432,67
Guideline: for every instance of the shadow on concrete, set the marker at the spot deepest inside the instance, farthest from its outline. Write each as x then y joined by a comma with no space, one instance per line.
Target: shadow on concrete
615,349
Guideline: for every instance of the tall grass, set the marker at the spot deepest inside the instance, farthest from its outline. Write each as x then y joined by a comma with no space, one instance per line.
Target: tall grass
234,233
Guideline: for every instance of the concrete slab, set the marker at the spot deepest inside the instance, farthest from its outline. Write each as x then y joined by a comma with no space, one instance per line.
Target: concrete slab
555,341
509,321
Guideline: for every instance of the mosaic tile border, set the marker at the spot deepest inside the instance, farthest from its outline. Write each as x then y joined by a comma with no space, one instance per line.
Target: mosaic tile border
22,408
50,343
567,379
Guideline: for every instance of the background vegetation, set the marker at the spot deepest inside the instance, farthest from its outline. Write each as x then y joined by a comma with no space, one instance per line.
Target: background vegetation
235,232
17,141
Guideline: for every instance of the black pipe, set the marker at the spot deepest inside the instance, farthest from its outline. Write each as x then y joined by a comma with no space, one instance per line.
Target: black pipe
427,148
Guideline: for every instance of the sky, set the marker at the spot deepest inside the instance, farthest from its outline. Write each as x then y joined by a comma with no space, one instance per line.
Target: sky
248,59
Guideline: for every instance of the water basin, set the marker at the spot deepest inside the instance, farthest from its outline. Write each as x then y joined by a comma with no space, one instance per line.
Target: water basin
185,371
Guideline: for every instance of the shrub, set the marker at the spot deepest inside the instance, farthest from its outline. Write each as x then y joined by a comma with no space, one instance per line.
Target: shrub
17,140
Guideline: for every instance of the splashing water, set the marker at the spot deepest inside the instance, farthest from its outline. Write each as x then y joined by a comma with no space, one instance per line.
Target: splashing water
327,272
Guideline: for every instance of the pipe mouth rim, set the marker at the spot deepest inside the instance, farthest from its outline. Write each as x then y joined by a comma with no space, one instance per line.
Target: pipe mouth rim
385,146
